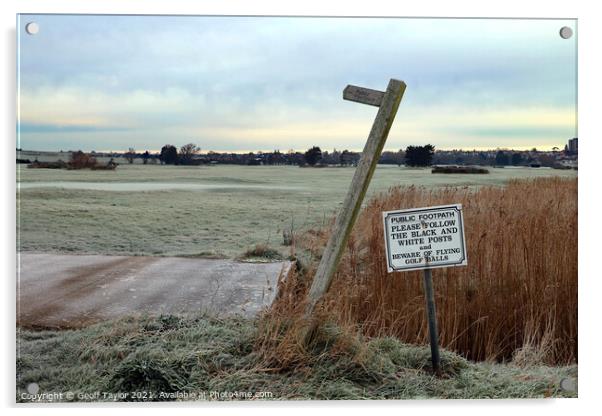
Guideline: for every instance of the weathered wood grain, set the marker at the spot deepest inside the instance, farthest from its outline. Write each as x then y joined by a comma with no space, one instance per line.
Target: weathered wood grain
353,201
363,95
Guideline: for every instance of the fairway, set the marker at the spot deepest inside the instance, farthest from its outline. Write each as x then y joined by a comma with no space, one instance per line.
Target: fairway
207,211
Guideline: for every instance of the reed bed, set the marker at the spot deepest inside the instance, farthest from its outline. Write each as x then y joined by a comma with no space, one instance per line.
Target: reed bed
515,301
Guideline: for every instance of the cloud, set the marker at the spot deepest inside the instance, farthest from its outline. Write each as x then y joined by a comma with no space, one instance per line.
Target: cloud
57,128
277,82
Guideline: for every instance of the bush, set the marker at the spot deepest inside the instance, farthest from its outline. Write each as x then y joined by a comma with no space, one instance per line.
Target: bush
81,160
263,251
458,169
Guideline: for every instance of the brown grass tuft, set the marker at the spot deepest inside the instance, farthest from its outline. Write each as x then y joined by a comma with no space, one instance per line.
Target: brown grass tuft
262,251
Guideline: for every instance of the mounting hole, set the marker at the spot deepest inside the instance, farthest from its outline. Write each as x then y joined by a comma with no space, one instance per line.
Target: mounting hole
566,32
33,388
32,28
568,384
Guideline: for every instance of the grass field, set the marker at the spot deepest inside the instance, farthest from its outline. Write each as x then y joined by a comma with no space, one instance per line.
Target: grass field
217,211
160,357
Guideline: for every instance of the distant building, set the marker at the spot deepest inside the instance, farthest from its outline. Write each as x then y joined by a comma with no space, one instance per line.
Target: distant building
572,146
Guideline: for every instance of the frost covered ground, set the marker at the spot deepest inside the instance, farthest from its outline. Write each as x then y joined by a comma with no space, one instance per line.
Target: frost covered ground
206,211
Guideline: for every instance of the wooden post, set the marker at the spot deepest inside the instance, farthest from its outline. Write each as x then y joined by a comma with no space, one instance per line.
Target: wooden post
388,102
431,316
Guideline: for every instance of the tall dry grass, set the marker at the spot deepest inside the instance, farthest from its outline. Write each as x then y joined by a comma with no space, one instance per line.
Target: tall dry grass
516,299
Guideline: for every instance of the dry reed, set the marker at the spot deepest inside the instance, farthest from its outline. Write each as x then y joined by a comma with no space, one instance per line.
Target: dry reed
516,299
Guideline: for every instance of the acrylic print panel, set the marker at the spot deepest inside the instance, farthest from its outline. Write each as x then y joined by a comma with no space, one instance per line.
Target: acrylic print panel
179,177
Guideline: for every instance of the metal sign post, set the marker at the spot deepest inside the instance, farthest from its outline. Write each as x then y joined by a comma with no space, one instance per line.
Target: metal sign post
431,315
388,102
424,239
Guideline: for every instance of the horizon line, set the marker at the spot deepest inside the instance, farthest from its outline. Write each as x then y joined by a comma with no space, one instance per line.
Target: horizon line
546,148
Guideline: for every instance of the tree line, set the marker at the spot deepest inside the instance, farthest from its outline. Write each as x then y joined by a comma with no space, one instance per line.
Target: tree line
417,156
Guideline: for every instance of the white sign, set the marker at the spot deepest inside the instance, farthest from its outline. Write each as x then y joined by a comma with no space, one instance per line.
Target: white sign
425,238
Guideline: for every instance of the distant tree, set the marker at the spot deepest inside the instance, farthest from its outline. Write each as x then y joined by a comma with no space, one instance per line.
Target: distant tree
349,158
502,158
130,155
345,158
81,160
294,158
313,156
516,159
187,153
169,155
400,157
391,158
275,158
547,160
420,155
251,159
335,157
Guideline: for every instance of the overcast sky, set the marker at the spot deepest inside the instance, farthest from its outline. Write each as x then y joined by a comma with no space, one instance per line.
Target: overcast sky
261,83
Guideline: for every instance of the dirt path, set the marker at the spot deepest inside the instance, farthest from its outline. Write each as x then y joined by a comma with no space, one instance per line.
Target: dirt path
72,291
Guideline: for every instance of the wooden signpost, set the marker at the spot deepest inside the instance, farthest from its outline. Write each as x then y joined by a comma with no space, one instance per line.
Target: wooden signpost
415,239
363,95
388,102
424,239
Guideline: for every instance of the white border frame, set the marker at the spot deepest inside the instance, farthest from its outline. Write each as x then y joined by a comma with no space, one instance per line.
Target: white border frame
590,83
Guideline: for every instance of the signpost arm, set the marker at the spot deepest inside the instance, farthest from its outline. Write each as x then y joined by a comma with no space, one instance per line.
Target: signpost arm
431,315
355,195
